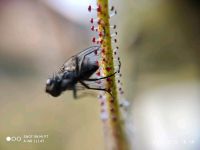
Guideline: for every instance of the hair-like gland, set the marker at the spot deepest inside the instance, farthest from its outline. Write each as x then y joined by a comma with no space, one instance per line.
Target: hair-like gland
110,114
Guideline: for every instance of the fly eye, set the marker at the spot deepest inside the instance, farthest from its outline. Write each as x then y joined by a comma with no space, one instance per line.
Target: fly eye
48,82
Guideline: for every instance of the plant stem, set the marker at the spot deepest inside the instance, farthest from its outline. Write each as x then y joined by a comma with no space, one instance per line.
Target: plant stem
113,126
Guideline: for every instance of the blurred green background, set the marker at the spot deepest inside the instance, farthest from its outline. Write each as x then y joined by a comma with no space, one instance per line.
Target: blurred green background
159,46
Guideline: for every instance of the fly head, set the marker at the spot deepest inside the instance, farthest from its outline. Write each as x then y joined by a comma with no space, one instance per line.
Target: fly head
53,86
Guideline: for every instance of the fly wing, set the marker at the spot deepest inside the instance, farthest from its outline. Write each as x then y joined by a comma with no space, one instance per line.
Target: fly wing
69,65
79,86
99,84
91,53
82,92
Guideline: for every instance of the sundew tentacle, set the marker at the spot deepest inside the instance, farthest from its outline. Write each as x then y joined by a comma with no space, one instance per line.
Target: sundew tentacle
110,63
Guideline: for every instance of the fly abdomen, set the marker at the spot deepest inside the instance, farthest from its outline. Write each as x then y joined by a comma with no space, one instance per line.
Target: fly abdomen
88,69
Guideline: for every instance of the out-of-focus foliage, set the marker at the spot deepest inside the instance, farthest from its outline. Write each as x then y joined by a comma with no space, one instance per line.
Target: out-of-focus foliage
34,42
161,50
163,38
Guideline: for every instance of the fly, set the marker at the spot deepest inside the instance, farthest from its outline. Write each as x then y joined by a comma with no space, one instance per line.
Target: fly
77,73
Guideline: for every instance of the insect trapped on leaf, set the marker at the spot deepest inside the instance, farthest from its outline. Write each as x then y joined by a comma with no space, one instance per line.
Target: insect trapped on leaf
77,73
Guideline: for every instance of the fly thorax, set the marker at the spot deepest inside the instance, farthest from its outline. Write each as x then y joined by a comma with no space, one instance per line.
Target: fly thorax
68,81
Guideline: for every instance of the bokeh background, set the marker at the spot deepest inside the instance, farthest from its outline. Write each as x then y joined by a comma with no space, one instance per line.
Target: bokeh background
159,46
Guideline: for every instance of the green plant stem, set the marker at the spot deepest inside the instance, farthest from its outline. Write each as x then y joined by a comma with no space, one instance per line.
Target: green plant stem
114,133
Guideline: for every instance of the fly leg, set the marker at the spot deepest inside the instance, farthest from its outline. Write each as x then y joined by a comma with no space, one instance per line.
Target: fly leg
77,66
96,79
99,89
77,73
74,92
